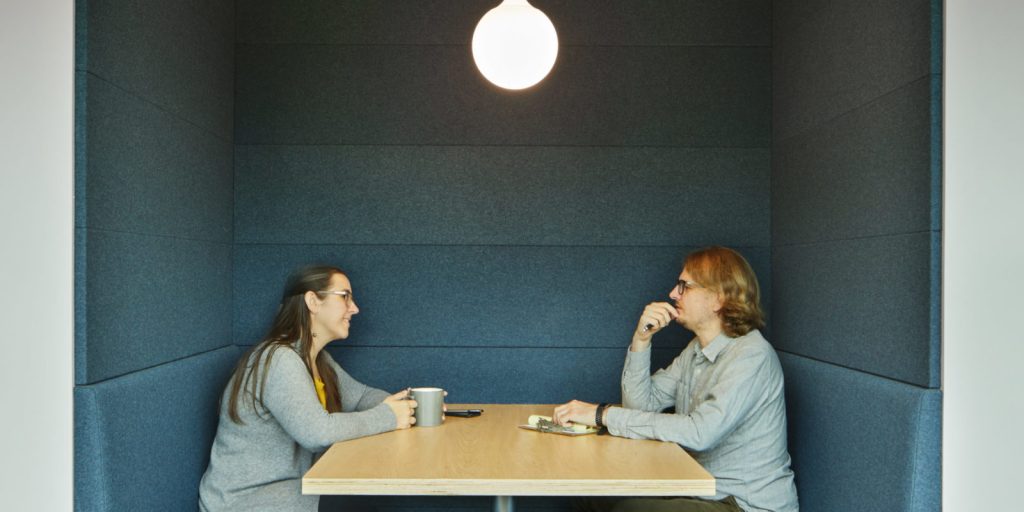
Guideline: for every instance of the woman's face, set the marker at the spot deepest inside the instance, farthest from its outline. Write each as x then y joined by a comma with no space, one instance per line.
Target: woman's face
333,312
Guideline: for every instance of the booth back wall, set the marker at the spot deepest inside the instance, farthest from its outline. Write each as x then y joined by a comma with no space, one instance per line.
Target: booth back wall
153,242
500,244
856,204
153,206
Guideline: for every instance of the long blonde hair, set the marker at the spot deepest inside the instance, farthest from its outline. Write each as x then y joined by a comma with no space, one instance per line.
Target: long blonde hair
725,271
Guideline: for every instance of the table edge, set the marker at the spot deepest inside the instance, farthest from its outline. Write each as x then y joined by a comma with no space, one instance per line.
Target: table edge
497,487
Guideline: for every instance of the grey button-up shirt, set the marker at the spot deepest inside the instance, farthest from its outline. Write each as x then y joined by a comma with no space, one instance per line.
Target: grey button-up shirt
730,415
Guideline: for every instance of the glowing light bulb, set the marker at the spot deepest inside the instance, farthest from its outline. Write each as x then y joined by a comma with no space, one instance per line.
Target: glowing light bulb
515,45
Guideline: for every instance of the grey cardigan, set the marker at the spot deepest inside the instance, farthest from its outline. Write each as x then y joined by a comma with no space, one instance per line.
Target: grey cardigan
259,465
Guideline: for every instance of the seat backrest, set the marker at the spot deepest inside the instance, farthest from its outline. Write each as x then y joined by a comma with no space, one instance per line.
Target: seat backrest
142,440
860,442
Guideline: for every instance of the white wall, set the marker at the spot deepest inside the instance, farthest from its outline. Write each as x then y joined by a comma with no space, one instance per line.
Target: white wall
983,274
36,266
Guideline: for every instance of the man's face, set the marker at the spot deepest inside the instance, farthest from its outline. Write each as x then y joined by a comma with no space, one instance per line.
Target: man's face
697,305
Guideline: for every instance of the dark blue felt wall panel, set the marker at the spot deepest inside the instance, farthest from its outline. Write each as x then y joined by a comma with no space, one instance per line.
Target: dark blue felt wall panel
500,245
861,442
832,57
471,295
856,185
149,300
862,302
513,374
176,55
421,22
142,441
619,196
154,183
867,173
488,296
473,220
429,94
150,172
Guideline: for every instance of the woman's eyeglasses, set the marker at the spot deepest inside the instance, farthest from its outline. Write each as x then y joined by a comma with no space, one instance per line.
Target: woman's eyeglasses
345,294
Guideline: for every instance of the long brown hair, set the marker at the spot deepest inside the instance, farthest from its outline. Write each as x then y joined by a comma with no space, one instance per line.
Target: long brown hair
725,271
290,325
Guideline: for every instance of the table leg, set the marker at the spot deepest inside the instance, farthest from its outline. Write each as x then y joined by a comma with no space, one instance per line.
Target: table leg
504,504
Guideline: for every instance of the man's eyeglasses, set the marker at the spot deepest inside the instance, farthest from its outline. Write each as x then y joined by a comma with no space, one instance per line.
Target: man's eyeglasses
345,294
683,284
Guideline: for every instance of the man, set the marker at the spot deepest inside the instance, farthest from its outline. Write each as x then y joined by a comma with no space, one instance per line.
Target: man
726,387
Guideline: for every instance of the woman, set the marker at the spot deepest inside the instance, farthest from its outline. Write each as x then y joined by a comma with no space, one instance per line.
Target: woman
287,399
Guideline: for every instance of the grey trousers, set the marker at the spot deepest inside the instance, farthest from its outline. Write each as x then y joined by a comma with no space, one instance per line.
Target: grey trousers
656,505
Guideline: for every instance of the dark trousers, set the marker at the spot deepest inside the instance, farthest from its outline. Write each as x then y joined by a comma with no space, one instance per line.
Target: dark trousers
656,505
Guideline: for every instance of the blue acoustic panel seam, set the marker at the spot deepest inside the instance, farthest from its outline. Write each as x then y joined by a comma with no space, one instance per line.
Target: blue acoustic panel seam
147,171
867,173
142,291
141,99
854,110
862,304
179,54
844,55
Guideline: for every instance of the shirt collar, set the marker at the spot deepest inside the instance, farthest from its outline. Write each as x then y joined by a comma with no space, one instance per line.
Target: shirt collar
712,351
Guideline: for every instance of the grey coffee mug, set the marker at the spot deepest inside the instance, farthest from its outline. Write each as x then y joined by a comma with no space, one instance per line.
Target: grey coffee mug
429,404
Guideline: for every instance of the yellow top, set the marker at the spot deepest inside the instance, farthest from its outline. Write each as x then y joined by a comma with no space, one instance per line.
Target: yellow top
320,392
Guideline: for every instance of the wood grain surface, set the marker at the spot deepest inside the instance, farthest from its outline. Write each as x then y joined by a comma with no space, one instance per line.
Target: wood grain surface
490,455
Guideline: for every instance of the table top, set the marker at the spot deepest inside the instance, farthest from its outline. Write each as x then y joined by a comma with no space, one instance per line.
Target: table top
489,455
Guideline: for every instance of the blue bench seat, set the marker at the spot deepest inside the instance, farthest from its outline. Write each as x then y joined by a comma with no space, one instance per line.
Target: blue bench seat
142,440
860,442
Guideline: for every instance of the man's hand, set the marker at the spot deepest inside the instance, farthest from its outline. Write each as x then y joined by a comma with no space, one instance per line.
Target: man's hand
657,315
575,412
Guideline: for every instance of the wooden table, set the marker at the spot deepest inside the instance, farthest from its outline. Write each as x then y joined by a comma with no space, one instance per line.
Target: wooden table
490,455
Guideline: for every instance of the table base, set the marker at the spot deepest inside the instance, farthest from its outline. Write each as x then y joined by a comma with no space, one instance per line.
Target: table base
504,504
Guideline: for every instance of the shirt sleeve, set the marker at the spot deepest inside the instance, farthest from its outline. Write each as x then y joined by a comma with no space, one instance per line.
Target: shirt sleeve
646,392
290,398
724,406
356,396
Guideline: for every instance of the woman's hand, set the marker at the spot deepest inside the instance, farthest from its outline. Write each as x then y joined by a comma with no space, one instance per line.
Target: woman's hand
575,412
404,409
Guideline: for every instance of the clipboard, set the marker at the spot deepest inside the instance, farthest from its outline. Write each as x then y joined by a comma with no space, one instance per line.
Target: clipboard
545,425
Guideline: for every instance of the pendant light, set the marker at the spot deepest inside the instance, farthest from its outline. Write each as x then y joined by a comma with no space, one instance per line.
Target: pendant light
515,45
